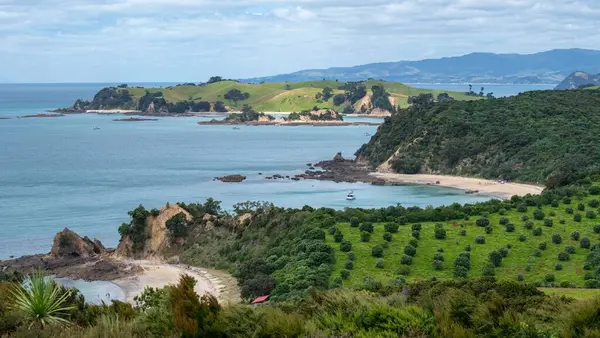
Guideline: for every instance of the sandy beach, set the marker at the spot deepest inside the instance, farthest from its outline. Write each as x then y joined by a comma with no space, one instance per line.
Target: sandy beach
483,186
217,283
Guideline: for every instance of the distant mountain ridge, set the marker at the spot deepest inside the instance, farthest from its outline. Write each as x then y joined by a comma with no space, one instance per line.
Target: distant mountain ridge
544,67
578,79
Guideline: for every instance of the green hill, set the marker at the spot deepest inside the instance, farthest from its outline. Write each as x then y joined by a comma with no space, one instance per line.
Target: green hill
269,97
530,254
540,136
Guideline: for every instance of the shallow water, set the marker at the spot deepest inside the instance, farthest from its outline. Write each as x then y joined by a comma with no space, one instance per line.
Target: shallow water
58,172
94,292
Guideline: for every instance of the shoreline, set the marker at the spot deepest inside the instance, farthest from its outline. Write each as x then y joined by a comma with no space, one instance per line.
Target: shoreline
468,184
288,123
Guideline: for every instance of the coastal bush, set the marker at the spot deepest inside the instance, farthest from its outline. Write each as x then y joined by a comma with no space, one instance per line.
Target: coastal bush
410,250
589,214
136,228
495,258
570,249
414,242
567,200
349,265
537,231
549,278
416,226
387,237
440,234
438,265
365,236
338,237
575,235
480,240
522,238
350,256
524,218
482,222
377,251
504,221
563,256
584,243
367,227
391,227
522,208
438,256
548,222
345,274
489,229
346,246
354,222
503,252
520,277
178,226
460,272
558,267
543,246
539,215
580,206
379,264
597,228
467,248
416,234
537,253
462,232
510,227
594,190
406,260
554,203
529,225
594,203
556,238
489,270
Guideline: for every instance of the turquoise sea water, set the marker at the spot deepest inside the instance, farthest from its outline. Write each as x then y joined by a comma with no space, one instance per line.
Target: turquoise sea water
58,172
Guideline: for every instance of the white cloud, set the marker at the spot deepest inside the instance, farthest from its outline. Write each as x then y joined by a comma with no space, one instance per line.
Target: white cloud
189,40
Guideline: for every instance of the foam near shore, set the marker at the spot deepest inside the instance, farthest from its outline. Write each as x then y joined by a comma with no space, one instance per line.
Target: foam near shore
482,186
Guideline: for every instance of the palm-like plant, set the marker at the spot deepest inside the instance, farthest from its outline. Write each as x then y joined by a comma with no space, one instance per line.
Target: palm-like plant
41,301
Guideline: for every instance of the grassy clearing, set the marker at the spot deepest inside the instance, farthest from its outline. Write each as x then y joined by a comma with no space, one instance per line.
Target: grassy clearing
579,294
280,96
521,254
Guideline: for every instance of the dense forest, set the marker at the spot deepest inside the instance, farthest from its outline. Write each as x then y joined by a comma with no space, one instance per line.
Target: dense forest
540,136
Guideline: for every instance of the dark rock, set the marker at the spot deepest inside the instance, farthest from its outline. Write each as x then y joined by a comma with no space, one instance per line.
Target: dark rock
231,178
338,157
69,244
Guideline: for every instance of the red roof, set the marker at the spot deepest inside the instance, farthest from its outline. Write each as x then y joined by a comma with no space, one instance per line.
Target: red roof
260,299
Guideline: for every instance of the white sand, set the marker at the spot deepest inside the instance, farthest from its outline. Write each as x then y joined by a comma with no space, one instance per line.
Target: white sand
159,275
485,187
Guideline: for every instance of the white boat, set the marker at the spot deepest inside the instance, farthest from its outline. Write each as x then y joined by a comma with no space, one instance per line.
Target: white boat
96,128
350,196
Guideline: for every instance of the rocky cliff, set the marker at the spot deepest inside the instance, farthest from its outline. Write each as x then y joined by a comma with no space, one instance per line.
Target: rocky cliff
579,79
69,244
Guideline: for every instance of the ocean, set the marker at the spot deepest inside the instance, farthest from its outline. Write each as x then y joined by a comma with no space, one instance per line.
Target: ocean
59,172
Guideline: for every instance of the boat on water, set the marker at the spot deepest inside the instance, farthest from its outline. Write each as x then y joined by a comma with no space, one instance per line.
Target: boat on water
236,128
96,128
350,196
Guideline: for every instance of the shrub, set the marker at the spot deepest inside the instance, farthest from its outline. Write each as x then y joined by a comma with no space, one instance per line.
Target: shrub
367,227
563,256
489,229
522,238
537,253
416,234
558,267
438,256
508,246
569,210
597,228
502,211
377,251
575,235
414,242
529,225
350,256
467,248
528,268
441,250
365,236
406,260
480,239
589,214
391,227
554,203
537,231
345,274
594,190
556,239
538,214
562,221
522,208
460,272
432,278
584,243
504,220
349,265
404,270
592,284
489,270
338,237
354,222
520,277
503,252
416,227
385,245
549,278
333,230
570,249
495,258
552,213
580,207
438,265
548,222
440,234
482,222
510,227
464,261
543,246
387,237
439,226
462,232
566,200
346,246
379,263
410,250
594,203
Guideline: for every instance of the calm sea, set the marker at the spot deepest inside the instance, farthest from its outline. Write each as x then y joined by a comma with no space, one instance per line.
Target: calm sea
58,172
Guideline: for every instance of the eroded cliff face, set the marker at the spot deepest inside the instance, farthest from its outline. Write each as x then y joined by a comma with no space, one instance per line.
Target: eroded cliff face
157,237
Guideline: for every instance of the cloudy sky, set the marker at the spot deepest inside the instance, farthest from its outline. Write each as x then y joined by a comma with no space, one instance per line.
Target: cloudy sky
190,40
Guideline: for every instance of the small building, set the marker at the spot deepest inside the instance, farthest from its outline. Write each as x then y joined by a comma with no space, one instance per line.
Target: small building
260,300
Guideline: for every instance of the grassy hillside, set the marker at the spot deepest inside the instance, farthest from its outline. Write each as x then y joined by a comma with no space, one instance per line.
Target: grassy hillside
280,96
540,136
524,254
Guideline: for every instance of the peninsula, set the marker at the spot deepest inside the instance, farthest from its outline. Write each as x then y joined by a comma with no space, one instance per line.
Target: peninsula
218,95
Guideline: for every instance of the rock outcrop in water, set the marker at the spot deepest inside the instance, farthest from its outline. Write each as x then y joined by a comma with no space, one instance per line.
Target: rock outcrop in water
69,244
231,178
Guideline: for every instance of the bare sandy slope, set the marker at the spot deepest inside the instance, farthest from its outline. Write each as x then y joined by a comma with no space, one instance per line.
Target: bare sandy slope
217,283
485,187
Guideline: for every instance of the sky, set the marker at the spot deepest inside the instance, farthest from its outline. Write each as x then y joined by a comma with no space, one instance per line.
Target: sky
191,40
